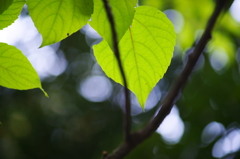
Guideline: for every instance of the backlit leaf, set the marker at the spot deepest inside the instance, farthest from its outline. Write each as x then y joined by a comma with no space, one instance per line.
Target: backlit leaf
4,5
123,11
16,71
11,14
146,50
57,19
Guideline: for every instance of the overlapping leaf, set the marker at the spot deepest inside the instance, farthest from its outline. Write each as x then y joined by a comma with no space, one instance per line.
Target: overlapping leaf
11,14
16,71
4,5
146,50
57,19
123,11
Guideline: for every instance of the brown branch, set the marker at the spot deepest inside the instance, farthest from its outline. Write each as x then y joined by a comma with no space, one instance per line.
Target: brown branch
127,124
179,84
151,127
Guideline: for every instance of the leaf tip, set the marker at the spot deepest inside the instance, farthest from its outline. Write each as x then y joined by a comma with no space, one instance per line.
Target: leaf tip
40,46
45,93
142,104
46,42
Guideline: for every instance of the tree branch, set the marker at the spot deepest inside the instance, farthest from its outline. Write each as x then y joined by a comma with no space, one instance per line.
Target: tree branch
127,124
151,127
179,84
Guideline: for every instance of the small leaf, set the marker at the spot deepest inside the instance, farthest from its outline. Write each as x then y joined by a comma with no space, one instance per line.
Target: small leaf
4,5
123,12
16,71
57,19
146,50
11,14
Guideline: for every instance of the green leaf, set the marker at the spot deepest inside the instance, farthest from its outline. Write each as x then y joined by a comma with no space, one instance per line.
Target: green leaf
146,50
11,14
16,71
57,19
123,11
4,5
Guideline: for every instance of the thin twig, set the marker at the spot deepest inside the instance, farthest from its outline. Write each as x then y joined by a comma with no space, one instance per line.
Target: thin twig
127,124
173,94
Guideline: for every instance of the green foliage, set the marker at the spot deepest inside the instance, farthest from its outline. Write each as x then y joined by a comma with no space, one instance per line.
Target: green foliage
4,5
145,60
56,20
123,12
16,71
11,14
69,126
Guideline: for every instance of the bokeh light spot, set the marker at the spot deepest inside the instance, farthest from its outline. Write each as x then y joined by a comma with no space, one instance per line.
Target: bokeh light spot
24,35
219,60
234,10
228,144
176,18
172,128
95,88
212,131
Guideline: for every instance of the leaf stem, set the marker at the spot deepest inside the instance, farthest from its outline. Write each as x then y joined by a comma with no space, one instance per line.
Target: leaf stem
127,123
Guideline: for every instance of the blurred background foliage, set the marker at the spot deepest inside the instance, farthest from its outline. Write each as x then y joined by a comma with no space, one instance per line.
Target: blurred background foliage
83,115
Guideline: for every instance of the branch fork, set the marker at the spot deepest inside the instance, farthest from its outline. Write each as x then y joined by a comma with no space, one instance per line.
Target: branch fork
133,139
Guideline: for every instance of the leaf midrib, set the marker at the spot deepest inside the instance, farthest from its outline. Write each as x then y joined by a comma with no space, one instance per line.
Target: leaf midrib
135,58
55,17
